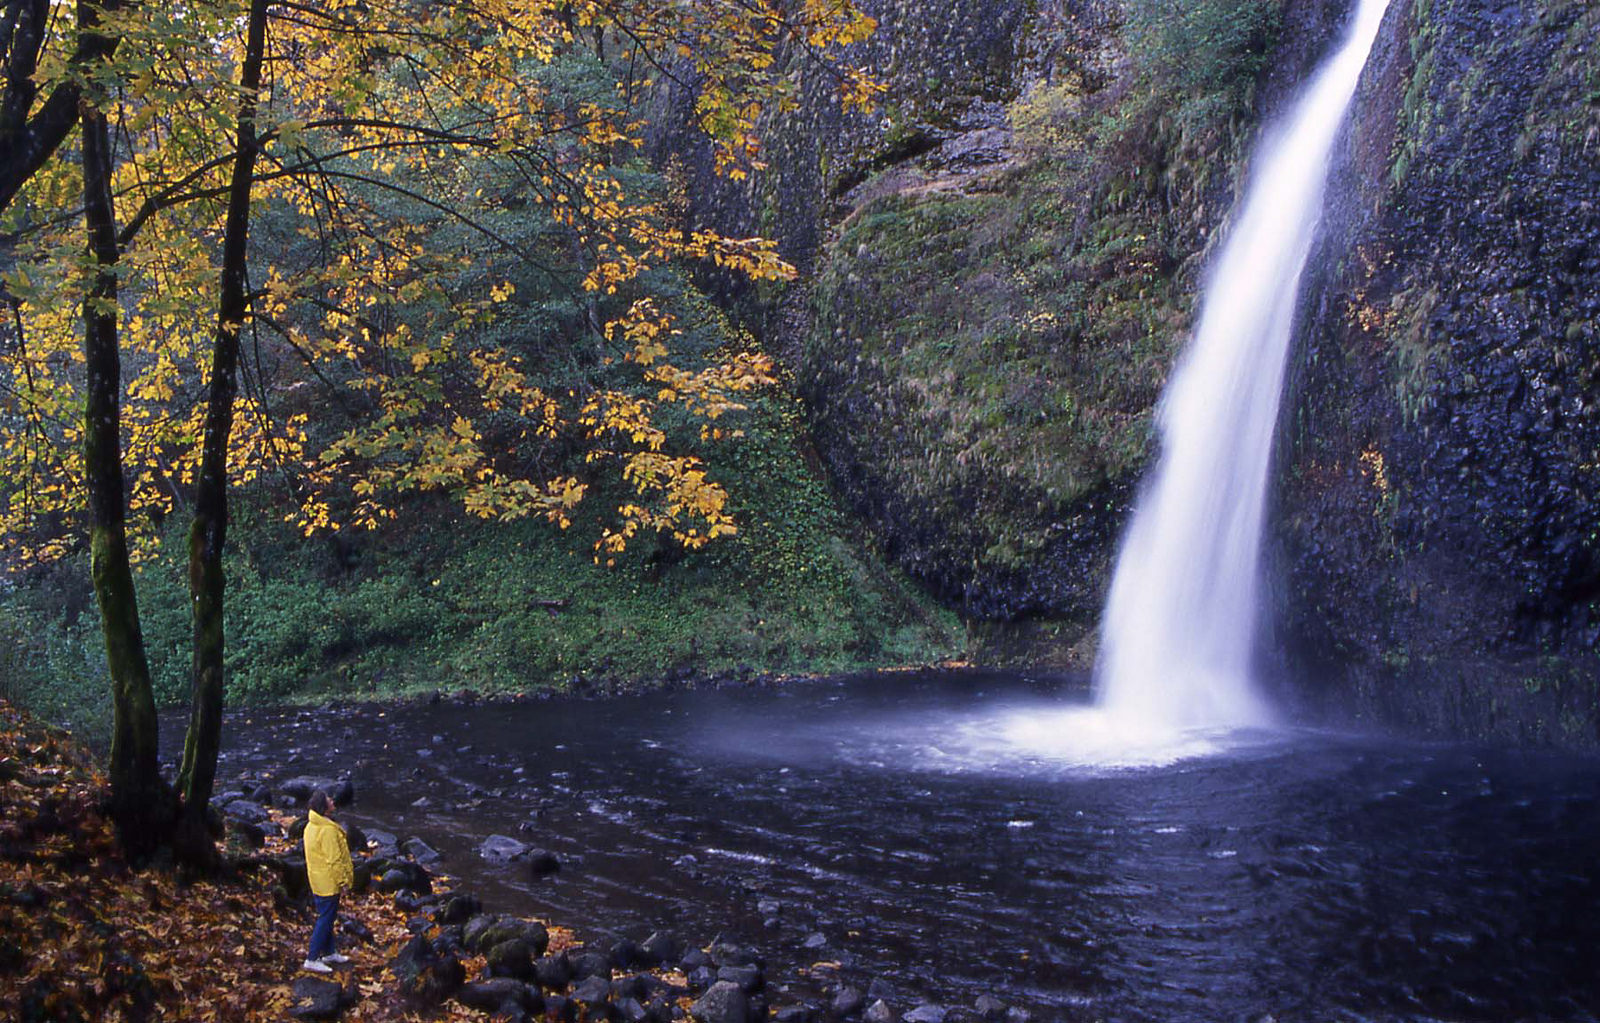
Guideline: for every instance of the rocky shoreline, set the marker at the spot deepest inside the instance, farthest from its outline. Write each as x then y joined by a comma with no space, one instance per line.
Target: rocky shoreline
461,953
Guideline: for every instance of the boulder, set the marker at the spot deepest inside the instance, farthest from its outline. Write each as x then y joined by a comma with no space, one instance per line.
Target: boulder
586,962
629,1010
847,1001
355,838
502,849
341,790
693,959
315,998
407,877
419,850
244,810
487,930
594,995
815,941
627,955
927,1012
880,990
490,995
458,909
659,948
383,843
423,975
552,972
748,978
879,1012
724,1003
560,1009
702,977
291,869
990,1007
510,959
248,834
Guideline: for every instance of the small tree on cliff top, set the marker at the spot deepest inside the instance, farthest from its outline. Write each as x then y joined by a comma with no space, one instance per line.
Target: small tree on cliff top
198,121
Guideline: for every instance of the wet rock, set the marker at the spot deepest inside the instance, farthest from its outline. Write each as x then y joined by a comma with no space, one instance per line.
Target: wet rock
627,955
510,959
406,877
458,909
701,978
425,976
383,843
292,874
355,838
552,972
247,833
543,862
490,995
748,978
260,794
724,1003
1016,1014
659,948
847,1001
593,995
341,790
794,1014
502,849
560,1009
726,953
315,998
927,1012
879,1012
629,1010
693,959
588,963
990,1007
244,810
420,851
769,907
815,941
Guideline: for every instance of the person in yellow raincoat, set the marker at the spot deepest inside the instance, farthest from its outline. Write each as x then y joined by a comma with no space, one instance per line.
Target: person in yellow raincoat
330,872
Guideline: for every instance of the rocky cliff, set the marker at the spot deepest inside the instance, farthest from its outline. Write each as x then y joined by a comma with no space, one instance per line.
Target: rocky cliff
1439,531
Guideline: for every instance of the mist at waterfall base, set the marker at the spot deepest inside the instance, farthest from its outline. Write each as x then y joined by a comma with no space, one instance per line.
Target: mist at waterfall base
1318,878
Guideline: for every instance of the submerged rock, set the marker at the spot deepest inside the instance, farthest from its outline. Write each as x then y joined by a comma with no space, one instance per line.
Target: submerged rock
501,849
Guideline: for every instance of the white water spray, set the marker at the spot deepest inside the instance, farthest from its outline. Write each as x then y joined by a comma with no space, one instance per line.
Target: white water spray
1178,635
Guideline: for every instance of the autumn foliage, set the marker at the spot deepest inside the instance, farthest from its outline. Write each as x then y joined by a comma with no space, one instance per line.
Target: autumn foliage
395,142
84,937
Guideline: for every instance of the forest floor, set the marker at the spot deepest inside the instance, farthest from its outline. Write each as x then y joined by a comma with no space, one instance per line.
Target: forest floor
84,936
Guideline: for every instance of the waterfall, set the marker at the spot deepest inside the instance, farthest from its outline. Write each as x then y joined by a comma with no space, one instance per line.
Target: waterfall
1178,635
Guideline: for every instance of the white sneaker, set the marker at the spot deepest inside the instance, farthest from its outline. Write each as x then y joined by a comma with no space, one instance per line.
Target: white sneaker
316,966
335,958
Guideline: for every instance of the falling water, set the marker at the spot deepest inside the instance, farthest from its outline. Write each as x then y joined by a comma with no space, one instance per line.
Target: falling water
1177,639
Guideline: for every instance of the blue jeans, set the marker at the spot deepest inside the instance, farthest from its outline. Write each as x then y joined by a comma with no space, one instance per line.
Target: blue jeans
322,931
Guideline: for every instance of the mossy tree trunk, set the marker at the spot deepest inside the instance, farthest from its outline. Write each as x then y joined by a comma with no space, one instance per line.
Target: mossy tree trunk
208,533
141,802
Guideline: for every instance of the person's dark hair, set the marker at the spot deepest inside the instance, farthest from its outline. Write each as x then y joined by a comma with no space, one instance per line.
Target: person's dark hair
320,802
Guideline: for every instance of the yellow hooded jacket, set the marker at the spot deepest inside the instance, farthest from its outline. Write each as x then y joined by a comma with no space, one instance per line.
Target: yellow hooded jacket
328,866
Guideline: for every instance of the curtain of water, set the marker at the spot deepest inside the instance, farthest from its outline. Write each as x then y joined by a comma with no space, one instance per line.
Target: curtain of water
1177,637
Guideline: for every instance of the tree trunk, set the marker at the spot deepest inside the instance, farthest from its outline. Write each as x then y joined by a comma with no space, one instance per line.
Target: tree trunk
141,802
209,531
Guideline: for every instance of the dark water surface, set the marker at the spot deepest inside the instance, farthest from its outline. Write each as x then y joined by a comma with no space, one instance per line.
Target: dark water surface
1312,877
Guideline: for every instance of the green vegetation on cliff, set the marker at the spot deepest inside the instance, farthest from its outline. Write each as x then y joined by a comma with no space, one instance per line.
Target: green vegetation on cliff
1011,329
438,602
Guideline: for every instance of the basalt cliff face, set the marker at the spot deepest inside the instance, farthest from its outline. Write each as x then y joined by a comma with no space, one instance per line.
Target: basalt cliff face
1000,263
1438,526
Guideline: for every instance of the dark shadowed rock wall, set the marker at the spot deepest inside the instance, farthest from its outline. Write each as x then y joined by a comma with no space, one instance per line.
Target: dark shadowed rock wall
1438,525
